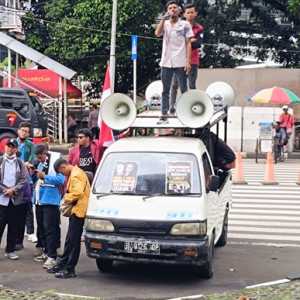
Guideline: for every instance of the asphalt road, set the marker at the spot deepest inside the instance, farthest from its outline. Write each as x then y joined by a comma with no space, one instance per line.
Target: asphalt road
236,266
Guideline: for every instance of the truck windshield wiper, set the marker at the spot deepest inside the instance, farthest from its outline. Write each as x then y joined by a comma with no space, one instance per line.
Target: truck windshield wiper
170,195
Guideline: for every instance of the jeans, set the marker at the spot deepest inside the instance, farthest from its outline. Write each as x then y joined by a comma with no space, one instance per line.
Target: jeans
284,136
71,254
192,77
51,229
27,222
12,216
166,77
40,233
48,229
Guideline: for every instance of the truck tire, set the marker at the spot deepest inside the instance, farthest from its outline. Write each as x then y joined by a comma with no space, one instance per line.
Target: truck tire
223,238
206,271
104,265
3,138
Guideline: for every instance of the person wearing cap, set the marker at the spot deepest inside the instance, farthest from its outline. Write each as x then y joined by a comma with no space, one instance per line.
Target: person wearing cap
13,178
287,122
87,153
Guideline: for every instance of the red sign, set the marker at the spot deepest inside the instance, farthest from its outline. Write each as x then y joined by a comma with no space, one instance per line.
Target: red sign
45,81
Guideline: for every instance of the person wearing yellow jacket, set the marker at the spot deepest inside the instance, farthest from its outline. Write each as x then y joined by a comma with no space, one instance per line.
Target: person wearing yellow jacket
77,194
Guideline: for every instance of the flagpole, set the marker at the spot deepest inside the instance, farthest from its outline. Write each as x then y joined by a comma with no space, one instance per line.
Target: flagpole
113,45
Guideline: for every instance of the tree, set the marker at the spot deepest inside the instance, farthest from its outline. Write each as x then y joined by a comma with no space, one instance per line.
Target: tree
294,6
77,34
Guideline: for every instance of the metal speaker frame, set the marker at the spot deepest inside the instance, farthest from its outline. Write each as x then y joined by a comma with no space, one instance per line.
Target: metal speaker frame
222,91
118,111
194,109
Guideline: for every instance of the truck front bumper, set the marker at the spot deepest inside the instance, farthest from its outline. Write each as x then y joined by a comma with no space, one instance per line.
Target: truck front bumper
172,251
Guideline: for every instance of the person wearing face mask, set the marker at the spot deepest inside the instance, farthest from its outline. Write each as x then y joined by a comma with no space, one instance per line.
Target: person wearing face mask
13,176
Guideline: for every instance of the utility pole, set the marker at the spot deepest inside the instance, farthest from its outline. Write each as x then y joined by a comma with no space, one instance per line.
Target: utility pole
112,60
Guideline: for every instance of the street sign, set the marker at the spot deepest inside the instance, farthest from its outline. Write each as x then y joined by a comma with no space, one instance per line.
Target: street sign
134,41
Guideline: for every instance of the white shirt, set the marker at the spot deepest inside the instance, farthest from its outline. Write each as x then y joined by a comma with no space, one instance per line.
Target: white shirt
175,35
9,177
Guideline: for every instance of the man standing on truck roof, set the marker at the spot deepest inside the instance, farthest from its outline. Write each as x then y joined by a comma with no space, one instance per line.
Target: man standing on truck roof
176,53
190,13
26,154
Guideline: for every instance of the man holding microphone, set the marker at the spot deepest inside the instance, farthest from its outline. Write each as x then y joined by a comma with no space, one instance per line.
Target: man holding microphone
176,53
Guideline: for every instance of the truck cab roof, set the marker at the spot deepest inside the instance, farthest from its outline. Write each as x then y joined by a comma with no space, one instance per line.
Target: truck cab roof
158,144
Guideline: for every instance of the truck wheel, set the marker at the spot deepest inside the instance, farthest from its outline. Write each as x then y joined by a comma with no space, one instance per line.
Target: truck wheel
3,138
104,265
223,238
206,271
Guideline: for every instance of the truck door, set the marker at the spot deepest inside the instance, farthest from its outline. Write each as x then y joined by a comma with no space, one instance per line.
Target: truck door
212,197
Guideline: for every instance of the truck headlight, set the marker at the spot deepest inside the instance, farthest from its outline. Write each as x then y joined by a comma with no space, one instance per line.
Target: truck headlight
99,225
199,228
37,132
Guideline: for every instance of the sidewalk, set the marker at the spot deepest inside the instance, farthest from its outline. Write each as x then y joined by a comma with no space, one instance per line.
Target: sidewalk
288,291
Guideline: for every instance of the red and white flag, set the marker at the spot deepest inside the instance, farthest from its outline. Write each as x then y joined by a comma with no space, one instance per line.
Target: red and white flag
106,137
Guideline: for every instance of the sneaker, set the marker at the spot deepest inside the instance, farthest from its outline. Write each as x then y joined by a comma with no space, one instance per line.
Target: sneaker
38,252
162,120
11,255
65,274
55,269
40,258
172,111
50,263
32,238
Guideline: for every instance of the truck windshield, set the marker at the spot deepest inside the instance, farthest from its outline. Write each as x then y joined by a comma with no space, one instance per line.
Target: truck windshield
145,173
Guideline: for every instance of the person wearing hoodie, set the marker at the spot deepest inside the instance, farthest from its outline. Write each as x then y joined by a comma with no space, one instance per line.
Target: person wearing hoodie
13,176
47,196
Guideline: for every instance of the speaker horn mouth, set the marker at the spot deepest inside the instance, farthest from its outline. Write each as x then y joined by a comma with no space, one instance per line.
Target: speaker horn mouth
122,110
198,109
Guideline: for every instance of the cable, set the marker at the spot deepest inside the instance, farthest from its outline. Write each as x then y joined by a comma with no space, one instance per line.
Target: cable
146,37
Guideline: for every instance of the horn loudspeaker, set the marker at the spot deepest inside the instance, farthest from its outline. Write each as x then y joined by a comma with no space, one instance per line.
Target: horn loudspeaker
221,89
194,109
118,111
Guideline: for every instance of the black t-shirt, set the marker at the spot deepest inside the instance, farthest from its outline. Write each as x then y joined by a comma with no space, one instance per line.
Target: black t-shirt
86,160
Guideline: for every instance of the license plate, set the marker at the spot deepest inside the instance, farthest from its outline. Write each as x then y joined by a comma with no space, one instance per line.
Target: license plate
142,247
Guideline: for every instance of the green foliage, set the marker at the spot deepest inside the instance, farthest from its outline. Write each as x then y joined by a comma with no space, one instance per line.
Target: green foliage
294,6
79,36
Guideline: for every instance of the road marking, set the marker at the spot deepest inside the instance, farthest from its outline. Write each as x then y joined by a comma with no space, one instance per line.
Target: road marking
262,196
265,201
264,230
252,243
246,205
265,217
264,223
194,297
264,237
266,211
280,281
76,296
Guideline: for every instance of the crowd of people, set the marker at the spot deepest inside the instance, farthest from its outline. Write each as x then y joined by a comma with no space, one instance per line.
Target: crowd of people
31,178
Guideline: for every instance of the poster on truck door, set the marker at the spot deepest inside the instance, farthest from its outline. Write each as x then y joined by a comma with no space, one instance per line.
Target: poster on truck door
179,176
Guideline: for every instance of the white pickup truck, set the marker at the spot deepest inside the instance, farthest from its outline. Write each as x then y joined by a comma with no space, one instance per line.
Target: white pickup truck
157,200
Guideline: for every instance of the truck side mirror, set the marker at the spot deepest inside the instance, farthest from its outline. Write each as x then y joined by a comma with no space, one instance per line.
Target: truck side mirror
214,182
